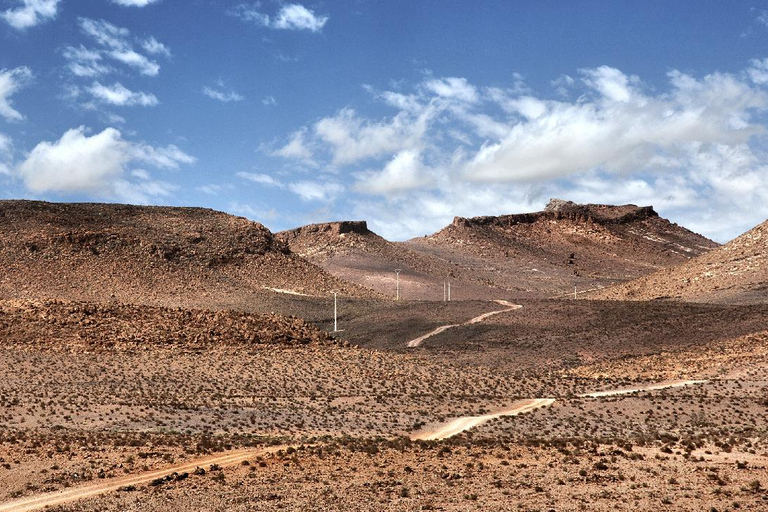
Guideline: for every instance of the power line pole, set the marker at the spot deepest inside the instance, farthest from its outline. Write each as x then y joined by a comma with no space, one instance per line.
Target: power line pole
444,292
397,281
335,317
449,291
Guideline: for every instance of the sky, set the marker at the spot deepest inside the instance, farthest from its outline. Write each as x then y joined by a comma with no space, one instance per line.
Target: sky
401,113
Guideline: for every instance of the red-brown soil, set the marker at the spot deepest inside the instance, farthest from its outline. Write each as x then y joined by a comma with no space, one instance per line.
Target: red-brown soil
736,273
147,255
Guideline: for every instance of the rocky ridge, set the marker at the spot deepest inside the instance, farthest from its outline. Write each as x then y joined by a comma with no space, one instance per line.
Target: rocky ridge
736,272
142,254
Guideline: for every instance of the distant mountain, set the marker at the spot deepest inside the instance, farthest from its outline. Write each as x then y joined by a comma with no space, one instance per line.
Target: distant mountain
535,254
147,255
735,273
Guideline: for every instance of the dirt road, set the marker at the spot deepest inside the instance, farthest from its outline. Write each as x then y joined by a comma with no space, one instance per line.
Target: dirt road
652,387
104,486
417,342
458,425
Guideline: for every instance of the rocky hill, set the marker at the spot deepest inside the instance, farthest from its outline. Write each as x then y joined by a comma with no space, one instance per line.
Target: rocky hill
350,251
735,273
537,254
149,255
565,245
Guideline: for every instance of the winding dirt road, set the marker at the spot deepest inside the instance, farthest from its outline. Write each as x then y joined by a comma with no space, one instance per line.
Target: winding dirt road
104,486
510,307
462,424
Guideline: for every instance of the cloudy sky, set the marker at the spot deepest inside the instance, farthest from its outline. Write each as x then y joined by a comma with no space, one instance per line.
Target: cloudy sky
403,113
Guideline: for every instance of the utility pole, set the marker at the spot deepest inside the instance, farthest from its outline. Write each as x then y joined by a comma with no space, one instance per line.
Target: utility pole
397,281
444,291
449,291
335,317
574,293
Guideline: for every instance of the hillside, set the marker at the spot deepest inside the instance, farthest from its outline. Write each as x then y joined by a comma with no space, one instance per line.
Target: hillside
547,253
735,273
539,254
350,251
151,255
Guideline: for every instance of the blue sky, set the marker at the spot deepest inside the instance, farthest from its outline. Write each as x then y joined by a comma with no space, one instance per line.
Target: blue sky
402,113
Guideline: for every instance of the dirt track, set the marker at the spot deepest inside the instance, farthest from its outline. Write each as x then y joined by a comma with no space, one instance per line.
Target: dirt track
459,425
87,491
418,341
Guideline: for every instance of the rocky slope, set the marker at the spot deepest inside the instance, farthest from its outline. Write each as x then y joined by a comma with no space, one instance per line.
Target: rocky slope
151,255
735,273
65,324
350,251
566,245
537,254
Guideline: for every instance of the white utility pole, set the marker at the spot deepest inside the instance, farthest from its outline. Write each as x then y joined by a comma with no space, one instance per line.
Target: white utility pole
444,292
449,291
397,281
335,317
574,292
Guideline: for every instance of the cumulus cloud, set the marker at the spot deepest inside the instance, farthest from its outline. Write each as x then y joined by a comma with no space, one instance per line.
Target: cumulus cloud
117,94
11,80
96,164
223,95
695,148
31,13
290,17
351,138
115,43
316,190
134,3
262,179
296,148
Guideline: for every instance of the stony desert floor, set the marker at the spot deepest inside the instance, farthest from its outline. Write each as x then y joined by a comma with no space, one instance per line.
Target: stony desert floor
322,425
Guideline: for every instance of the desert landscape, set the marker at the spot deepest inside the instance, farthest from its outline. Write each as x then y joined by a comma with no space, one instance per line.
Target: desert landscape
185,359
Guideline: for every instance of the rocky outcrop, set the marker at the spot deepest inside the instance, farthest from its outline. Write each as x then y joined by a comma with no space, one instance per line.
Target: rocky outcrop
559,209
327,228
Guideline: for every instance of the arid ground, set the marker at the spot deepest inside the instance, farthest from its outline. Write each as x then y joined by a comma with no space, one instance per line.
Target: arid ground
136,391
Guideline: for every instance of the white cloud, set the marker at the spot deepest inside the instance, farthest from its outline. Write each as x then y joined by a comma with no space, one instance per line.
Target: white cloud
117,45
758,72
290,17
696,149
31,13
315,190
404,172
263,179
351,138
134,3
269,101
155,47
11,80
453,88
298,17
95,164
224,96
84,62
119,95
296,148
